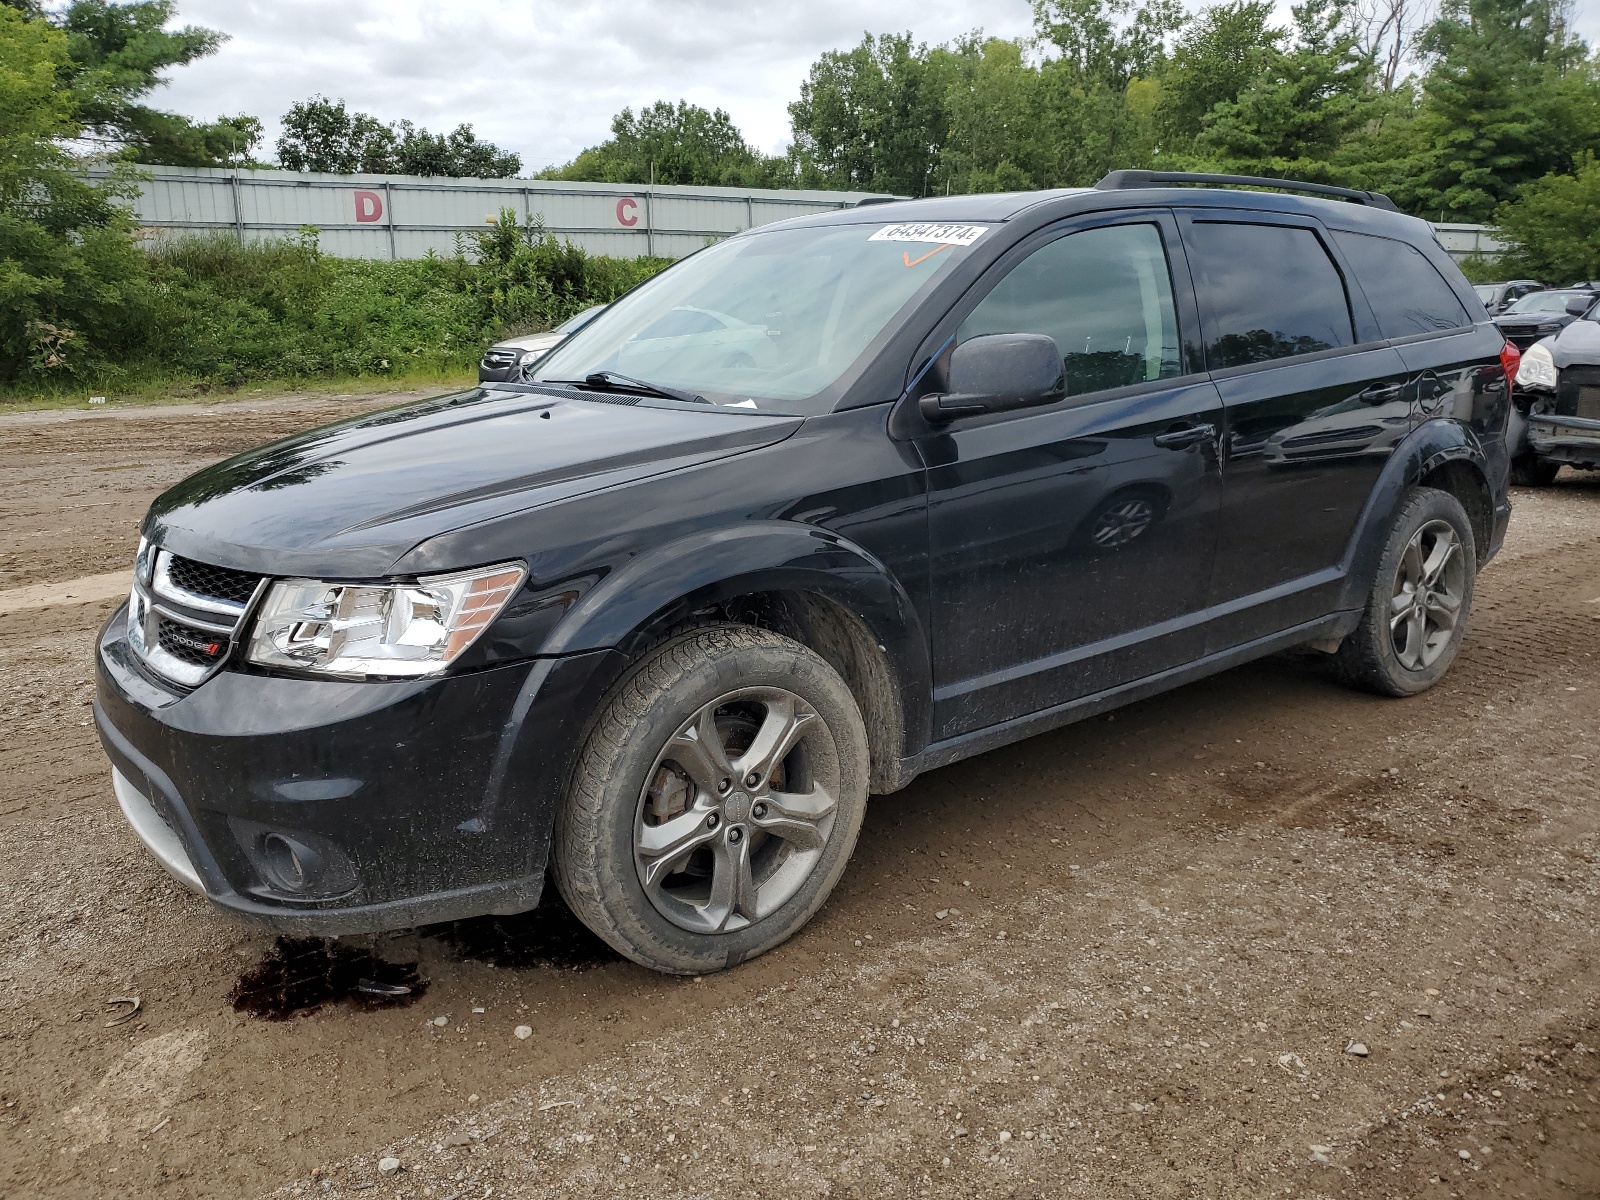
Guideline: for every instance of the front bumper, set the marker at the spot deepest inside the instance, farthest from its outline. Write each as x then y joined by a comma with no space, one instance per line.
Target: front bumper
1562,438
403,802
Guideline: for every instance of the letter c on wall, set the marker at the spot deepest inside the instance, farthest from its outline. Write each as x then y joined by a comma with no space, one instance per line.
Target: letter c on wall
369,207
627,212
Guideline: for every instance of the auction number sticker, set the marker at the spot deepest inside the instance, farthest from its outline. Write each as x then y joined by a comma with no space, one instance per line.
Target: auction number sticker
930,231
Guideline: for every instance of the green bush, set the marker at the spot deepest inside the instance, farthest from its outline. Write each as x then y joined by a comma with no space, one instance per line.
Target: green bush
208,309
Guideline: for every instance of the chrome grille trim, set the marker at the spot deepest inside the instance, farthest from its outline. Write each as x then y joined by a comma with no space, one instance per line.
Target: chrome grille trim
210,617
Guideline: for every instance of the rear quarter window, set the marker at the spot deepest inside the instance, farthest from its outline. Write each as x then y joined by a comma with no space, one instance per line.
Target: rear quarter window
1406,291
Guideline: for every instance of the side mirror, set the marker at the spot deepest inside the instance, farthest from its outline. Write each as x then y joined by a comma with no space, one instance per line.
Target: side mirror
999,372
1578,305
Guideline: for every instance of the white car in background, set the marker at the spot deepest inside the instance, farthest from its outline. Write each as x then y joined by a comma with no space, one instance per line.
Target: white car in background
505,360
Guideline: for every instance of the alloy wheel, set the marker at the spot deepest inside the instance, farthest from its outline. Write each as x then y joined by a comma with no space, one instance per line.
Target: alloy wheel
736,812
1428,591
1122,523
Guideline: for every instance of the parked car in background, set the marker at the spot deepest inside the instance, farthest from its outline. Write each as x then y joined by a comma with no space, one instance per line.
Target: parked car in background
1497,297
1557,422
1540,314
831,503
505,360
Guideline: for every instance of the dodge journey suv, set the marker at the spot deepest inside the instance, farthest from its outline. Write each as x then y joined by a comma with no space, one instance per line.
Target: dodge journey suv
826,505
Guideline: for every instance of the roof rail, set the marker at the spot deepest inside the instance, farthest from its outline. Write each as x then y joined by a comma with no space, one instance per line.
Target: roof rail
866,200
1116,180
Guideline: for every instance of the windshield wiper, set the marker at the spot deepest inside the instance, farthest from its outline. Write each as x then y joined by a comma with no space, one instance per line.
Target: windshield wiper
611,381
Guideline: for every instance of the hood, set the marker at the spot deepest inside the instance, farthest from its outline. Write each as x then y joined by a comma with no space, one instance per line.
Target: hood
1577,345
531,341
348,500
1541,320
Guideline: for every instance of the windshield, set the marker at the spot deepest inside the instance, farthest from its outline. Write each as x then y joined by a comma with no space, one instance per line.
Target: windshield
1485,292
579,321
1542,302
769,321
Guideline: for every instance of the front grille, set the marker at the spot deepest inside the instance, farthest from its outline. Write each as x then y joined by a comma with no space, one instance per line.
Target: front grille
1522,336
184,616
187,644
220,583
496,359
1578,393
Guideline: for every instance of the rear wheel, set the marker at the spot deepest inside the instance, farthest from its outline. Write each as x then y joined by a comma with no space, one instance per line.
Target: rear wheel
716,802
1529,470
1416,613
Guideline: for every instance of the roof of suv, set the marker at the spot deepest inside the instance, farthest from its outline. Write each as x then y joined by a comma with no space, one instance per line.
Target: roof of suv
1005,206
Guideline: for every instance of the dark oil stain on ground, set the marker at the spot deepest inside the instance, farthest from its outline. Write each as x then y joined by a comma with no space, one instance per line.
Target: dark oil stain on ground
300,975
549,937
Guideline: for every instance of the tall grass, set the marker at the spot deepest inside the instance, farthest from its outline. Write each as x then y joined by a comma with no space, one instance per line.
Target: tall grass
208,310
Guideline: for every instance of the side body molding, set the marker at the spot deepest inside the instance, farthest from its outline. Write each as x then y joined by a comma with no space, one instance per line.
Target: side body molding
762,556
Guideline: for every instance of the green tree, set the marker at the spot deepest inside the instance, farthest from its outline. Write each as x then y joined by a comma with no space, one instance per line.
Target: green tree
681,144
994,140
119,54
1218,56
1509,98
873,118
1554,225
1309,95
71,284
320,134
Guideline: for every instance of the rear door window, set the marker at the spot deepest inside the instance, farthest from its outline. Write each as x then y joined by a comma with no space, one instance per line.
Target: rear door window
1268,292
1406,291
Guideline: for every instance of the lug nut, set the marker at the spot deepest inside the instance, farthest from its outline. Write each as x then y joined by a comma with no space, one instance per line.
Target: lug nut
713,821
759,810
735,835
723,785
752,779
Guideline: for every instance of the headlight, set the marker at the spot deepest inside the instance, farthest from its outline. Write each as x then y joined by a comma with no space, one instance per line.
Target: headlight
353,630
1538,368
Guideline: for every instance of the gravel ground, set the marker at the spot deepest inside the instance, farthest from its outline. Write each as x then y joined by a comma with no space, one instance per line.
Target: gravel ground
1137,957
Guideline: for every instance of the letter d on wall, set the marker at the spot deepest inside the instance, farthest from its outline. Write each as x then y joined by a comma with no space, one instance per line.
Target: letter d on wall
369,207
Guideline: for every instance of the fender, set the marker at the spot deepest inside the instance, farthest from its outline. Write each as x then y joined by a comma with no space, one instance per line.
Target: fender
761,556
1427,447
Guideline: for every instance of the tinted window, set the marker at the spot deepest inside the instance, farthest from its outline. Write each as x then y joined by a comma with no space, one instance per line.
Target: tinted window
1270,291
1104,295
1406,291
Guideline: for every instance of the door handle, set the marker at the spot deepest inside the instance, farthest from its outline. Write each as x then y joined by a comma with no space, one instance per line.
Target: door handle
1382,393
1185,436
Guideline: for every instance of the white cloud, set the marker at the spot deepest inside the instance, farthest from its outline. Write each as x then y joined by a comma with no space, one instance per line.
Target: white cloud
541,77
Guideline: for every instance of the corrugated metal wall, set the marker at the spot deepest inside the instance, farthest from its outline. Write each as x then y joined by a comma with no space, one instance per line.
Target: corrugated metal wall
406,216
1467,241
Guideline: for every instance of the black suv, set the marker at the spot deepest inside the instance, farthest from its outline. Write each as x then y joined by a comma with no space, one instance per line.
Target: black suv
826,505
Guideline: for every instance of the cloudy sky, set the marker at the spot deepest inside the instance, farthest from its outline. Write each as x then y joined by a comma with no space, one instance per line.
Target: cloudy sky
543,77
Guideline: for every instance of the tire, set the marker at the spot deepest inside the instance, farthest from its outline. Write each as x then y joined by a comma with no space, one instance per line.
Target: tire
1529,470
663,846
1402,651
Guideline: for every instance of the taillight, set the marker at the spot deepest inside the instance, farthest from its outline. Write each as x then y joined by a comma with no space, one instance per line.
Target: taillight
1510,360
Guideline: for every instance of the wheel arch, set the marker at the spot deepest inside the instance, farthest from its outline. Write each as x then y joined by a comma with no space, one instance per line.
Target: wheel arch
806,583
1439,453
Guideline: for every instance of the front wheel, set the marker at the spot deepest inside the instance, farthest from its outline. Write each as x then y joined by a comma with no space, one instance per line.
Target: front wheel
1416,613
716,801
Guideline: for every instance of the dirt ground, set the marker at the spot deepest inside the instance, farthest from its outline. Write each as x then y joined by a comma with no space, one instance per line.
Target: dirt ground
1132,958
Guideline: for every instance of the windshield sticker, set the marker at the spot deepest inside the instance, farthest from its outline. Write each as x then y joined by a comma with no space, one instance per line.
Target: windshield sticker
931,231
